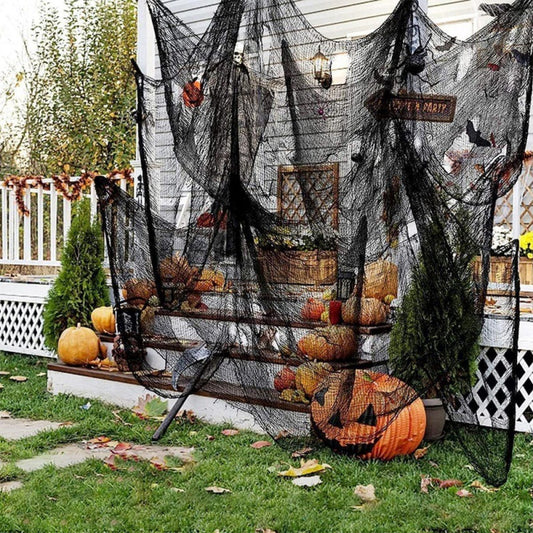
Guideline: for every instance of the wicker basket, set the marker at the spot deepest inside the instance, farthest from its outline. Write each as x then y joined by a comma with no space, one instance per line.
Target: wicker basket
501,270
316,267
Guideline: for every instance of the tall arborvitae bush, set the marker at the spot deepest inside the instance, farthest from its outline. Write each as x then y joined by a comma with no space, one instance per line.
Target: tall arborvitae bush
80,286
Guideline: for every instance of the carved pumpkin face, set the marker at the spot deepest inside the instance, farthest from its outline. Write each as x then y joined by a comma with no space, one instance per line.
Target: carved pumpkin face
379,419
193,94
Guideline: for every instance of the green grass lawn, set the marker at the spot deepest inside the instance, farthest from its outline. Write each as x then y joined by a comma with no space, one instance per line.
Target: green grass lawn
137,497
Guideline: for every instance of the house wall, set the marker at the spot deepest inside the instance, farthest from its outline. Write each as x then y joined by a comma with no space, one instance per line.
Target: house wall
335,19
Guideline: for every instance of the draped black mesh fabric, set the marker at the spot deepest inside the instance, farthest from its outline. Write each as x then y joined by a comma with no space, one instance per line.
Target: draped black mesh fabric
266,189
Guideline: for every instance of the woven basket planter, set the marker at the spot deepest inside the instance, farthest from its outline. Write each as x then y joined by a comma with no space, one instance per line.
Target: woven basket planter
316,267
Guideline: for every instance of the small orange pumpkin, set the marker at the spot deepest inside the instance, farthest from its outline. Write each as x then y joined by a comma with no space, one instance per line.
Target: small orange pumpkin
369,312
138,291
103,319
384,417
78,346
313,309
193,94
329,343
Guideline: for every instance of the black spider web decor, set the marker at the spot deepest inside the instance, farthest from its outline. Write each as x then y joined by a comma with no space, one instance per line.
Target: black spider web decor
425,134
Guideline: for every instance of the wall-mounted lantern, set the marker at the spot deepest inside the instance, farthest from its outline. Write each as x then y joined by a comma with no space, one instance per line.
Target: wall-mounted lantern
322,69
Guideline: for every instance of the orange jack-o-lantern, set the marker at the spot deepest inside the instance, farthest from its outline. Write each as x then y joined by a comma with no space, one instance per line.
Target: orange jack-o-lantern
381,419
193,94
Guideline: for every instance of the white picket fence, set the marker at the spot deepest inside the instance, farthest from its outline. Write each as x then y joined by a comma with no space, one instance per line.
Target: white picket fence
37,238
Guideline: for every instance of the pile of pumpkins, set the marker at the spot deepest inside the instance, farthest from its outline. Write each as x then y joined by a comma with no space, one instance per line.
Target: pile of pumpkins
299,385
79,346
380,288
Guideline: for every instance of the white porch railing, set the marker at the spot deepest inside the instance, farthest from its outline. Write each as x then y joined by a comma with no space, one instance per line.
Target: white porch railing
37,238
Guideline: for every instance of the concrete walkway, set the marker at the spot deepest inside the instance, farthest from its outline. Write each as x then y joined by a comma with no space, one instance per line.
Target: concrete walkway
72,454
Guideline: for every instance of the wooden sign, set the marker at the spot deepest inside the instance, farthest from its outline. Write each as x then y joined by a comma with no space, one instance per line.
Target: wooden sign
426,107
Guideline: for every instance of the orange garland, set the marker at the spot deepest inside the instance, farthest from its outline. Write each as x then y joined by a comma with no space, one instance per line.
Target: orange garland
63,184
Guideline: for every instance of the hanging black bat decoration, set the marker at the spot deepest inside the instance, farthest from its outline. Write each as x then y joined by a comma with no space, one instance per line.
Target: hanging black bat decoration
495,10
474,136
520,57
446,46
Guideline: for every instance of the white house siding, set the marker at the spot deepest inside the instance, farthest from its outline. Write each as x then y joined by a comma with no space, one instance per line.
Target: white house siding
335,19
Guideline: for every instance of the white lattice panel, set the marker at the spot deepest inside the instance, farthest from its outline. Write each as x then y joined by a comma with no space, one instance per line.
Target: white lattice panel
489,397
21,321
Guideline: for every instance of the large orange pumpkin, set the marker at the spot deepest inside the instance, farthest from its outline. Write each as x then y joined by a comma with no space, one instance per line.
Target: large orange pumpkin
103,319
193,94
369,312
381,279
78,346
384,417
329,343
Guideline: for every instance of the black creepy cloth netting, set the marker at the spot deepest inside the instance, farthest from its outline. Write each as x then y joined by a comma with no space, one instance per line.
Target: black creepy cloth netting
271,188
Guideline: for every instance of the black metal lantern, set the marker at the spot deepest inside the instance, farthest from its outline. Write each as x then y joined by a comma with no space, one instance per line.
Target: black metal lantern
345,284
322,69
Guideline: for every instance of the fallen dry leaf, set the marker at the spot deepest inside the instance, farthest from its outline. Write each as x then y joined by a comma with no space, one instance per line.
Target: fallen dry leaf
158,463
425,483
187,415
150,406
283,434
4,373
310,481
209,437
420,452
263,530
110,462
66,424
357,507
100,441
121,447
367,493
217,490
176,489
230,432
463,493
447,483
41,374
260,444
18,379
312,466
433,464
301,453
479,486
5,414
120,419
52,499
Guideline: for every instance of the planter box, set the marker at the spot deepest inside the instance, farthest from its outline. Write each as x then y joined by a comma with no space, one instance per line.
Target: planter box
316,267
501,269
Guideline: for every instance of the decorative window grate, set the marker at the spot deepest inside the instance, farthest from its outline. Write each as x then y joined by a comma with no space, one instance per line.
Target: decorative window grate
309,192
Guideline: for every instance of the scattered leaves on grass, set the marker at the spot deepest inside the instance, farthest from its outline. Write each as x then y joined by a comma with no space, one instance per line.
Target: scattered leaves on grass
420,452
176,489
4,373
217,490
5,414
188,415
367,493
101,440
120,419
428,481
41,374
230,432
150,406
479,486
260,444
301,453
110,462
18,379
463,493
310,481
66,424
311,466
159,464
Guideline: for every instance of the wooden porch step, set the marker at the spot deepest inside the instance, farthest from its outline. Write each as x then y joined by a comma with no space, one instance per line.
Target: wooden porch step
268,321
213,389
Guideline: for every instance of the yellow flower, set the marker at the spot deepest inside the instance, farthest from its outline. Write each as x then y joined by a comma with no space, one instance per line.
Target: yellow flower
526,240
530,256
